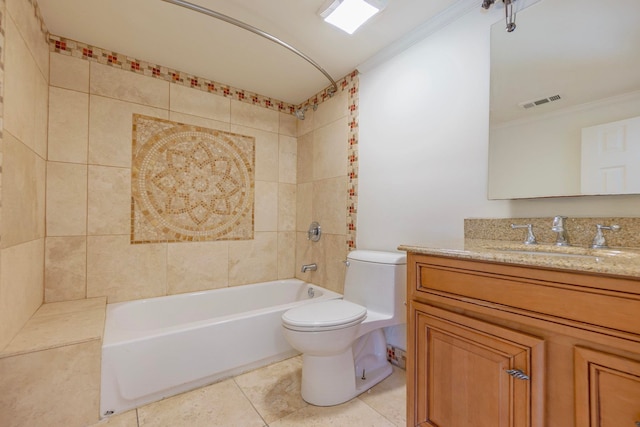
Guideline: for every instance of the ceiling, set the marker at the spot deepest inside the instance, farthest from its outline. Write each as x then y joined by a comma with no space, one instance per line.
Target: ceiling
162,33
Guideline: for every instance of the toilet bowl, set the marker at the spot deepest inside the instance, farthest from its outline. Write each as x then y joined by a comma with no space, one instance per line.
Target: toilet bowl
342,342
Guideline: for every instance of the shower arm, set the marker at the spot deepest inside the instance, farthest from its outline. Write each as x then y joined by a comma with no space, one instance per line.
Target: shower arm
254,30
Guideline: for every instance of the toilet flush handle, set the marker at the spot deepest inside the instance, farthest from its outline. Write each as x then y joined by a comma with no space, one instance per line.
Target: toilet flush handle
346,262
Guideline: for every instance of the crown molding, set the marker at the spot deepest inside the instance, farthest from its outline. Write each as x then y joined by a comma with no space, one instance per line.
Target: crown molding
441,20
419,33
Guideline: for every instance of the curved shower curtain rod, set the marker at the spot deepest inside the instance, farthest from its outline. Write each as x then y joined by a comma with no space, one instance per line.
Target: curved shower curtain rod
254,30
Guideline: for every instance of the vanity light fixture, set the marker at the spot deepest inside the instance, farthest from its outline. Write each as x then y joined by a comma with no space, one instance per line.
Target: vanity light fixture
349,15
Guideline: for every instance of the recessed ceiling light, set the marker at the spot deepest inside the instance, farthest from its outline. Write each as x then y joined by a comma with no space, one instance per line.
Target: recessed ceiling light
349,15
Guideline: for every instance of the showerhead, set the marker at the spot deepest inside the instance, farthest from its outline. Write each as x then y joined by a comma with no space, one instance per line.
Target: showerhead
299,112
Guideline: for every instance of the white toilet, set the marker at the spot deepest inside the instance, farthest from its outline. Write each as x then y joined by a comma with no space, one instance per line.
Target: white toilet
342,343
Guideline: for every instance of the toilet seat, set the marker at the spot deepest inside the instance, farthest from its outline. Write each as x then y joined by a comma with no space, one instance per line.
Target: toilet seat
324,316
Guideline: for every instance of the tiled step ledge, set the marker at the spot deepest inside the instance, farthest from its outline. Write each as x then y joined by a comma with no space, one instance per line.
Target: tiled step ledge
51,369
60,324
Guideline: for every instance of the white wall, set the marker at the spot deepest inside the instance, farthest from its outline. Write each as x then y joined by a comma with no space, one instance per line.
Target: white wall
423,144
423,139
423,147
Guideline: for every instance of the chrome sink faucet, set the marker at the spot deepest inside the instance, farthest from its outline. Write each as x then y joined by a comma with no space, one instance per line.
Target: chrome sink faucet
558,227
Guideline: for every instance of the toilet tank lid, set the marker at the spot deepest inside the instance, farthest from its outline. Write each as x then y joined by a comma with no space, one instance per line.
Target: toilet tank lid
379,257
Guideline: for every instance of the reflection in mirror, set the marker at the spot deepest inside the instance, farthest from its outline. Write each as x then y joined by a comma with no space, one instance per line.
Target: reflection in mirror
565,90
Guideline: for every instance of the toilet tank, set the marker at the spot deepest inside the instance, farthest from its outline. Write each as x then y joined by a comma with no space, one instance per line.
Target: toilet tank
377,280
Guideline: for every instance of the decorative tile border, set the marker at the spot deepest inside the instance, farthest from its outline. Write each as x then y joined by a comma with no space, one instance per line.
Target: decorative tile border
350,83
352,166
81,50
190,183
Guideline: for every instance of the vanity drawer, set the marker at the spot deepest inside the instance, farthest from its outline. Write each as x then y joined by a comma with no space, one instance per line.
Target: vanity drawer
540,293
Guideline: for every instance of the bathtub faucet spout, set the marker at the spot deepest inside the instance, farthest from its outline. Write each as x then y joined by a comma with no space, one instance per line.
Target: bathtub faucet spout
307,267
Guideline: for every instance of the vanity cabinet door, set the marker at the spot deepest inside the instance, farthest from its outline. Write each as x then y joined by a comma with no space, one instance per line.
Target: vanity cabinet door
461,372
607,390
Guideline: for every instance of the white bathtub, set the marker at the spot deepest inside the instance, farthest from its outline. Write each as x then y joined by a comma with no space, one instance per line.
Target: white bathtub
159,347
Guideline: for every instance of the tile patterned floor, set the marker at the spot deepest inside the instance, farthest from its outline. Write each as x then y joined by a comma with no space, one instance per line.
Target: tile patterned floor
269,397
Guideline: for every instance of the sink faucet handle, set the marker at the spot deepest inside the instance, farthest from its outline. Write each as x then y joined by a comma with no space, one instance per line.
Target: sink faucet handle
530,239
562,238
558,222
599,241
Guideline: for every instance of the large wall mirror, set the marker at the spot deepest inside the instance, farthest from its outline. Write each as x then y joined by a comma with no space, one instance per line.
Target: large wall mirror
565,101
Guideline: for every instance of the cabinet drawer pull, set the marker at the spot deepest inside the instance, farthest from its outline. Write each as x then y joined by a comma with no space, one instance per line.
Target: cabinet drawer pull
637,423
518,374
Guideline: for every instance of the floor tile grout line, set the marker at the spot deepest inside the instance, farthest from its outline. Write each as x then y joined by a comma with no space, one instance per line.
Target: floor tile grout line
375,410
390,418
265,424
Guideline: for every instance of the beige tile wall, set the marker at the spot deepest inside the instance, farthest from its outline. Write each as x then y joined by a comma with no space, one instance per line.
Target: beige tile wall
322,191
89,189
5,335
25,85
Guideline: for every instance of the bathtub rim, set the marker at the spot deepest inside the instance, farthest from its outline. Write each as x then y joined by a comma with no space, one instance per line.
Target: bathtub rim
115,335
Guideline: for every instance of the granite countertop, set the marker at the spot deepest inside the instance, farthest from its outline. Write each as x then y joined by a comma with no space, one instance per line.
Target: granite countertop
613,261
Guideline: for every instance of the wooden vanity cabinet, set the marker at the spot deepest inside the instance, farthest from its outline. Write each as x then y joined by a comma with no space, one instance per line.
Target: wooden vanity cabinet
607,389
462,371
500,345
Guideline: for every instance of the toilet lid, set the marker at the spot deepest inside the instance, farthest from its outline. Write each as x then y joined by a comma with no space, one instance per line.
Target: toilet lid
324,315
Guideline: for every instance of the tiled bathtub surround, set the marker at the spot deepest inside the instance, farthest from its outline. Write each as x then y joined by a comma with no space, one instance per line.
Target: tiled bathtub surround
90,135
580,230
348,91
190,183
88,250
24,75
325,176
347,84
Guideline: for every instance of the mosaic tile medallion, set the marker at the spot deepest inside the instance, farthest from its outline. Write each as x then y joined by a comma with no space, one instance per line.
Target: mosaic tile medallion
190,183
